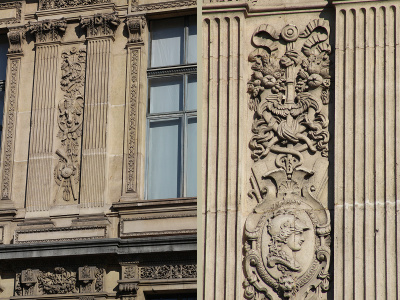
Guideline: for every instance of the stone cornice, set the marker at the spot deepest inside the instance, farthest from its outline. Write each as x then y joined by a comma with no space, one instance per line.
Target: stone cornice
178,4
100,246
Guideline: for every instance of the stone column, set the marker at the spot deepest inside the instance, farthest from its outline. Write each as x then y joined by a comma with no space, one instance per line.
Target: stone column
222,117
44,107
136,26
367,150
15,38
100,34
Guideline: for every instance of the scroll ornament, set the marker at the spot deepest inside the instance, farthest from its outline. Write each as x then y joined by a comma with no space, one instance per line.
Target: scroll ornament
287,236
70,118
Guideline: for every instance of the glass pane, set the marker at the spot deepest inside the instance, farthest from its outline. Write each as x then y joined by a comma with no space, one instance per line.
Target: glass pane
166,94
191,163
167,42
3,56
192,42
164,159
191,101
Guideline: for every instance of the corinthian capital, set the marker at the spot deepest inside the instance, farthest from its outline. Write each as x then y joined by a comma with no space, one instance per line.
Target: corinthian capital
48,30
100,25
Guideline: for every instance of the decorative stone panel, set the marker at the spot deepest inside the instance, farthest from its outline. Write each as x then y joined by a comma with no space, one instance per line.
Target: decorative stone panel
10,12
58,281
287,236
54,4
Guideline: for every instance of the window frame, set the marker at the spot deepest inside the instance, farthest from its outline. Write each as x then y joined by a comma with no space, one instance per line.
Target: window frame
183,70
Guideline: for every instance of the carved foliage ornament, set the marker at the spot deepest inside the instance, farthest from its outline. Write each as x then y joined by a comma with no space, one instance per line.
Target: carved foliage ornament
287,241
168,272
10,120
70,118
53,4
48,30
100,24
57,281
131,157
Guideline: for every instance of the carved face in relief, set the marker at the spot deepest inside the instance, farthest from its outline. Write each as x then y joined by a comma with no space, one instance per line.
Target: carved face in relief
286,231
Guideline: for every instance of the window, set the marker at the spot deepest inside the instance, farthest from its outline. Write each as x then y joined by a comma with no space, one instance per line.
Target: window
172,109
173,297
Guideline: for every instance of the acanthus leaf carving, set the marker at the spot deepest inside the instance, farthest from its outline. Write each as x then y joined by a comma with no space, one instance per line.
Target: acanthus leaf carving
70,118
287,236
48,30
100,24
136,26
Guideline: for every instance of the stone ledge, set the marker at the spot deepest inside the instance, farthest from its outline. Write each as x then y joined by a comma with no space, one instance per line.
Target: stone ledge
100,246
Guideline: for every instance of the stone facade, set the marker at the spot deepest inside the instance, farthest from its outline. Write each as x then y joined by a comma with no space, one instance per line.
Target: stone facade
300,146
74,219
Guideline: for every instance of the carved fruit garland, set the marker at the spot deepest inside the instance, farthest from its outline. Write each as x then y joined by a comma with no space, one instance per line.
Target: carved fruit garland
70,119
287,242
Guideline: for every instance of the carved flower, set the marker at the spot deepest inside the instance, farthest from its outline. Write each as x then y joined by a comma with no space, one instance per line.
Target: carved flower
315,80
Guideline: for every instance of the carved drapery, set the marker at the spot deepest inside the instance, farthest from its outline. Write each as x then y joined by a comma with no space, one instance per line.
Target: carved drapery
70,118
54,4
287,236
59,280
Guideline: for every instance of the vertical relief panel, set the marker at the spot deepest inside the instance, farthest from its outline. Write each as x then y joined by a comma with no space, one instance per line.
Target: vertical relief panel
287,235
40,170
367,152
220,111
95,121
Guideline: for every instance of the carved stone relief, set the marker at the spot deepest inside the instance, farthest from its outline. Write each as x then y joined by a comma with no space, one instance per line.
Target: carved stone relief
136,26
287,236
59,280
132,126
70,118
15,37
100,24
168,272
17,5
48,30
162,5
54,4
10,123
